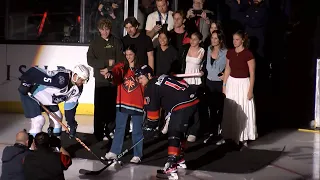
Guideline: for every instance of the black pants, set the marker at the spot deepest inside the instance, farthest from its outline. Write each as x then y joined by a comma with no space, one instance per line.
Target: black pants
104,111
195,120
215,100
178,127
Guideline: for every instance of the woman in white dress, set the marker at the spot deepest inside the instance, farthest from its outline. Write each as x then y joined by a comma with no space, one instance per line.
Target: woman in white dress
193,64
239,118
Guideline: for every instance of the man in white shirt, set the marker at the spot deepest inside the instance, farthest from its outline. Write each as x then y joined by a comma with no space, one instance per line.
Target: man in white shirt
162,18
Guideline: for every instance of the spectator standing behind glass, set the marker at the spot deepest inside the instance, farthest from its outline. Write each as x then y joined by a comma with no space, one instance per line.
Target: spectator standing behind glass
113,10
239,118
44,163
102,54
129,103
214,66
160,19
165,55
200,18
180,34
214,25
12,157
192,58
140,40
255,25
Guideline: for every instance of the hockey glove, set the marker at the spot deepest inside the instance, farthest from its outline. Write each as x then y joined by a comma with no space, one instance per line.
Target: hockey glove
24,88
150,128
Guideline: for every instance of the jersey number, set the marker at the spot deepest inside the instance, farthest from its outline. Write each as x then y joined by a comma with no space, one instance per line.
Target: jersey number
47,80
175,86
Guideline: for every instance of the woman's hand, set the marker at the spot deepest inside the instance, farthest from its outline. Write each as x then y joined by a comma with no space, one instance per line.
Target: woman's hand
222,76
250,95
108,76
224,89
190,13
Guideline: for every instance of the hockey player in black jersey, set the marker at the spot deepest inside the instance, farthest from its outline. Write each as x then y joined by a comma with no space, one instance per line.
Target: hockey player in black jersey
177,98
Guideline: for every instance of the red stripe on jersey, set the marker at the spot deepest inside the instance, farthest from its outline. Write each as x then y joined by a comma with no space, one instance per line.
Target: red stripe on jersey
153,115
186,105
175,86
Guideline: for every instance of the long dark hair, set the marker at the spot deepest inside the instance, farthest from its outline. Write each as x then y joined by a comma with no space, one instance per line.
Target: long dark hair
126,63
221,38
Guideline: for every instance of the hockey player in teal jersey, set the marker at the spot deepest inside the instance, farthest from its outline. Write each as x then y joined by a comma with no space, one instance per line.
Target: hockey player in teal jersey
52,88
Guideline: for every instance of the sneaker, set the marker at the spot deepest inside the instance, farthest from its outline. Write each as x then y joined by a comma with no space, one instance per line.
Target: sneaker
135,160
191,138
220,142
110,156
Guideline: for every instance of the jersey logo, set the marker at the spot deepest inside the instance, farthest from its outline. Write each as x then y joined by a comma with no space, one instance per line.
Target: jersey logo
130,84
61,80
160,79
59,99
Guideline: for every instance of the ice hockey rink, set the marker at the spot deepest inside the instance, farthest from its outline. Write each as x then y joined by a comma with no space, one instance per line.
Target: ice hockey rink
300,159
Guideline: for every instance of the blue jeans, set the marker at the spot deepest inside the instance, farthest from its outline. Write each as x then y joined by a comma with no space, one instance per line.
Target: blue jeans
137,134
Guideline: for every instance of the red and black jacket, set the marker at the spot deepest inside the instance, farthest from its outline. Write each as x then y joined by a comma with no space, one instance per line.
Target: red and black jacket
130,92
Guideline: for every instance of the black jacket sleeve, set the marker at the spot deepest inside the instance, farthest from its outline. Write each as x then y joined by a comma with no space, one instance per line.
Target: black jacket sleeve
92,59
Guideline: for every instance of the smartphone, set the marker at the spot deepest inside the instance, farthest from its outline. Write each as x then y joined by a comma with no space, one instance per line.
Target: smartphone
165,26
197,12
220,74
158,23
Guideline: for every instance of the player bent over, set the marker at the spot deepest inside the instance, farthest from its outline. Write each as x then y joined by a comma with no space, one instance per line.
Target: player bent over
52,88
177,98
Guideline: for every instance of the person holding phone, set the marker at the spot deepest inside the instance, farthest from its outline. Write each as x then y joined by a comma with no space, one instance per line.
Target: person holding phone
200,18
160,19
214,66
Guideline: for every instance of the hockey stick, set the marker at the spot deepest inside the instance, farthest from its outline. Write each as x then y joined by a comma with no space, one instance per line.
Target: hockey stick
89,172
189,75
65,127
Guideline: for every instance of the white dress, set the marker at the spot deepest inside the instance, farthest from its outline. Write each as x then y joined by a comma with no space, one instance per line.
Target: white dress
239,117
193,65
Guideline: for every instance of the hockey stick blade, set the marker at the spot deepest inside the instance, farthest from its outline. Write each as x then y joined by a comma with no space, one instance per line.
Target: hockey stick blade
94,173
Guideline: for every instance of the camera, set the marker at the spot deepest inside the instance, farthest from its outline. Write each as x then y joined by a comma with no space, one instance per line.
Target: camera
197,12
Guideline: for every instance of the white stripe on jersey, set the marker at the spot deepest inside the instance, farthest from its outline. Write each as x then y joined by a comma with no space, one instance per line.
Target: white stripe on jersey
53,96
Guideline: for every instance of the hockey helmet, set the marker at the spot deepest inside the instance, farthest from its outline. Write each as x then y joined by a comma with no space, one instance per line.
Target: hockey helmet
144,70
82,71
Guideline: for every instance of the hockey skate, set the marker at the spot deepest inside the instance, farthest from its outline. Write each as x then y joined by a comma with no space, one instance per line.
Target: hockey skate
50,132
170,171
72,131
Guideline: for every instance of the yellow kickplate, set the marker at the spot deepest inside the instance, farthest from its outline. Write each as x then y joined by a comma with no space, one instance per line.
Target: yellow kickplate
309,130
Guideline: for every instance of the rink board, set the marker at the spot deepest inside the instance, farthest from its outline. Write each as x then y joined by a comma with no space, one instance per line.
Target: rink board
17,58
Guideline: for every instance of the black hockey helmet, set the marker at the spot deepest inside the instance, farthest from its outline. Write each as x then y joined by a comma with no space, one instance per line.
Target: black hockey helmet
144,70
